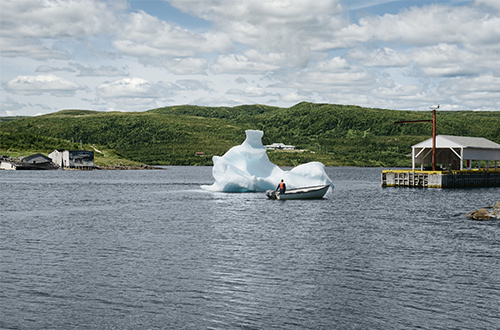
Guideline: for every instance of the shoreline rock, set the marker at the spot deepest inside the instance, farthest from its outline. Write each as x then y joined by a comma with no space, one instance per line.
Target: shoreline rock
483,214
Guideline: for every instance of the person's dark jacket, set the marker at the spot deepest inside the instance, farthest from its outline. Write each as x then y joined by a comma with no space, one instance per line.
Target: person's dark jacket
281,187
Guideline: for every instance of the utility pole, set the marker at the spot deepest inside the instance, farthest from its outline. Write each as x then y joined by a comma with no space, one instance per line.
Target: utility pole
433,132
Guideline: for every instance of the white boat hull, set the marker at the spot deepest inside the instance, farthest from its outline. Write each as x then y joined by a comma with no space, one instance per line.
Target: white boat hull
300,193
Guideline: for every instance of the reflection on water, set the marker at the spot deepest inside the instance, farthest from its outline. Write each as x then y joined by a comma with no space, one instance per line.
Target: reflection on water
150,249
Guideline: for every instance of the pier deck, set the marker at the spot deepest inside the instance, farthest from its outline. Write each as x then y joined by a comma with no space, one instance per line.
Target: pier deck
441,179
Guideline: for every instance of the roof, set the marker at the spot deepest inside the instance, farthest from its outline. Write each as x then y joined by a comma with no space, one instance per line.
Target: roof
36,158
450,141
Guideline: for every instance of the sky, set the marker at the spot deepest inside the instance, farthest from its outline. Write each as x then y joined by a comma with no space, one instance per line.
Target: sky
136,55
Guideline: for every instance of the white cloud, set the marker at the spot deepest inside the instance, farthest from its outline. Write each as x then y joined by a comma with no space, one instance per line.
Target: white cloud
185,66
480,92
493,4
47,68
472,85
253,91
101,71
127,88
327,81
193,85
330,75
148,36
423,26
445,60
57,18
249,51
239,64
38,29
132,94
235,91
287,27
335,64
400,92
31,48
9,107
241,80
37,85
294,97
85,71
381,57
215,101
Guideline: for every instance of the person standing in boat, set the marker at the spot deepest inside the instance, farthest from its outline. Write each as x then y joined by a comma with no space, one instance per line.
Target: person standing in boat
281,187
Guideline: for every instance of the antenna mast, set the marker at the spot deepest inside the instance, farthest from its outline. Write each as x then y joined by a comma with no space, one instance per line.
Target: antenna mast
433,132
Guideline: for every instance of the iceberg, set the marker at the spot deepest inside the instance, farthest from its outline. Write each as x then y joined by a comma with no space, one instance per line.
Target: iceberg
246,168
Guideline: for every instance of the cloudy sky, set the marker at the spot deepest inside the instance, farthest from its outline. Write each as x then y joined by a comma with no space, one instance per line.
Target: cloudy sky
134,55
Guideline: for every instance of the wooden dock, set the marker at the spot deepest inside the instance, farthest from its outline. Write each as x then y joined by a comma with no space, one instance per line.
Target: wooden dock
441,179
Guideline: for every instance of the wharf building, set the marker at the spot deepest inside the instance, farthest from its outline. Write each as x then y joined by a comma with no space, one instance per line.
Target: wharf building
73,159
463,162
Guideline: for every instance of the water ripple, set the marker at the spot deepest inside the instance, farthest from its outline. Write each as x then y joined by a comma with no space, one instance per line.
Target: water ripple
149,249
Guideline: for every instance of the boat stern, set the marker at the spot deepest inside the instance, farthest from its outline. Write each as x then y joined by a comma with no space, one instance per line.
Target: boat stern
271,194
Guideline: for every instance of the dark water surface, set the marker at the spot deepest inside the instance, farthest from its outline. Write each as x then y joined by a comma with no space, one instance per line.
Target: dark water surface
151,250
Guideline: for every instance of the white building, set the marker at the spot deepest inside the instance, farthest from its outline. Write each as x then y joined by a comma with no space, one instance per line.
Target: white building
279,146
453,151
78,159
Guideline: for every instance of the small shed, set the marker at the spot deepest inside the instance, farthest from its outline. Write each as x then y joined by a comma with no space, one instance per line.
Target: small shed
56,157
453,151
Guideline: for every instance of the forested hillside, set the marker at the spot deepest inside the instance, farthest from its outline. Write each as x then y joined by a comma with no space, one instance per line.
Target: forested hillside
332,134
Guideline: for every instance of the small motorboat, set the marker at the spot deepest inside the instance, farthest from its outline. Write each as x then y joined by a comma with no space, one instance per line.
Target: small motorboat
314,192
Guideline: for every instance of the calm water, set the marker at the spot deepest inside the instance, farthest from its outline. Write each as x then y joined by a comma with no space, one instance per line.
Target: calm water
150,250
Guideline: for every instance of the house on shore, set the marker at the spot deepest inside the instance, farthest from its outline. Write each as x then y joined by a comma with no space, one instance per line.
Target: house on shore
73,159
33,162
279,146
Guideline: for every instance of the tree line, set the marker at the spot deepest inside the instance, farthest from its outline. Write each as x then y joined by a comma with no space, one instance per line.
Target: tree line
334,134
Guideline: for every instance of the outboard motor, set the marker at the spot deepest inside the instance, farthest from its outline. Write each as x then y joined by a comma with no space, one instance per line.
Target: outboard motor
271,194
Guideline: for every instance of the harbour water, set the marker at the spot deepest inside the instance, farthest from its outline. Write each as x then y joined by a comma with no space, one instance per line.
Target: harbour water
151,250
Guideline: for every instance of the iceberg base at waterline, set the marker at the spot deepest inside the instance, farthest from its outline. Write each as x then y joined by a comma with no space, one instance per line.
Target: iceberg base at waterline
246,168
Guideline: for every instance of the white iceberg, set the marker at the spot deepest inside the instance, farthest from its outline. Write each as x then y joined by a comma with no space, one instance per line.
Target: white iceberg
246,168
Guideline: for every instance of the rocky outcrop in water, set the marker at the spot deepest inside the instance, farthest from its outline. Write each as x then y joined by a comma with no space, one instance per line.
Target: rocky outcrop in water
484,214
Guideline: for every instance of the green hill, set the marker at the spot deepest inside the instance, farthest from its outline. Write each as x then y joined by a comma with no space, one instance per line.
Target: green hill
333,134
